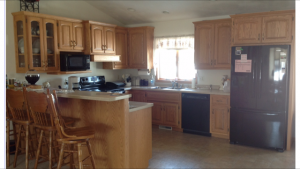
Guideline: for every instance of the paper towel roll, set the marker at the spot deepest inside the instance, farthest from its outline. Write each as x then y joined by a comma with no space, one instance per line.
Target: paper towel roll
143,72
194,83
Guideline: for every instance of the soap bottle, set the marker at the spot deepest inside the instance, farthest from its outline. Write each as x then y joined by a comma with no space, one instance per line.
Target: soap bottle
227,86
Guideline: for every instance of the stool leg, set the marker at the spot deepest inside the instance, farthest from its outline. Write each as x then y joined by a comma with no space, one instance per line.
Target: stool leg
61,156
26,147
17,147
50,150
80,166
71,156
7,143
38,150
90,151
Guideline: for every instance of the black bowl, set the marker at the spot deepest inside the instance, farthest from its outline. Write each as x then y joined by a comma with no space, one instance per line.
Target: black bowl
32,79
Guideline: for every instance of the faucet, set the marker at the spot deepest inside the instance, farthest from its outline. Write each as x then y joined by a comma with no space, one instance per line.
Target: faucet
174,84
210,87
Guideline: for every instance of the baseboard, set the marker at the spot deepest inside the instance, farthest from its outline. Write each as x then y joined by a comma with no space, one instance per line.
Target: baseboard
225,136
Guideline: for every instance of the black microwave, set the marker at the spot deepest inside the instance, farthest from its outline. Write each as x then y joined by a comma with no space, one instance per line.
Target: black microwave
74,62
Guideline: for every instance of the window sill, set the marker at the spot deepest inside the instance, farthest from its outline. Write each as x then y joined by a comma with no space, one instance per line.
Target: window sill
168,81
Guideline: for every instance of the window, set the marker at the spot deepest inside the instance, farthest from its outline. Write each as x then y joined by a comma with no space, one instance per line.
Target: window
176,64
174,58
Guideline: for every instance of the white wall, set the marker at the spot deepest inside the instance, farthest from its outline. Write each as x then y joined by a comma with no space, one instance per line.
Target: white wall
184,27
71,9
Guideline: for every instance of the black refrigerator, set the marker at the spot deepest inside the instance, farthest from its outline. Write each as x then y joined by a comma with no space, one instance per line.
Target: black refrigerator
259,96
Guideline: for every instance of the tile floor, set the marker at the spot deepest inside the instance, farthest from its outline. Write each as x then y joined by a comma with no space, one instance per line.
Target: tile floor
180,150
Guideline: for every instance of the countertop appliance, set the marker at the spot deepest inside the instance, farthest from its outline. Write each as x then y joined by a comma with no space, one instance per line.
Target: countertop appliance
97,84
71,80
195,113
259,97
74,61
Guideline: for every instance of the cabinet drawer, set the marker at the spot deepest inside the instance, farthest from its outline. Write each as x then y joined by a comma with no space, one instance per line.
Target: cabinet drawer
220,100
163,96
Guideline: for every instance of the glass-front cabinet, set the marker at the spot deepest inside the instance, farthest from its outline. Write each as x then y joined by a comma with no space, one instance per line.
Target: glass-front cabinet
51,55
36,44
20,45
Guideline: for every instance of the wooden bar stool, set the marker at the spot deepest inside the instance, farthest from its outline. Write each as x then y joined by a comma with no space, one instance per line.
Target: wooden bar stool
17,107
9,133
71,136
42,120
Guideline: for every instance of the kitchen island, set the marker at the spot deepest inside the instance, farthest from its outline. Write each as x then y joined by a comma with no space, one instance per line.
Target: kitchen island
123,136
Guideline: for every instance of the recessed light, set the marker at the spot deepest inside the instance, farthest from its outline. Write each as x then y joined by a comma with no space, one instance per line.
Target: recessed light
131,9
165,12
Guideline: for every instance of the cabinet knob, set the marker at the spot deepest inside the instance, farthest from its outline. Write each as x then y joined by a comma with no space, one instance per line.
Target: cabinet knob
258,36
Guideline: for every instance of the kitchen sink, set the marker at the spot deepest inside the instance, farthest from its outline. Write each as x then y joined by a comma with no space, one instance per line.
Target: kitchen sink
157,87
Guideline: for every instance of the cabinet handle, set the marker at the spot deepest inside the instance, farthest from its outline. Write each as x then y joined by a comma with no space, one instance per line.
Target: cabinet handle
75,44
211,62
263,36
215,61
258,36
219,100
213,112
46,64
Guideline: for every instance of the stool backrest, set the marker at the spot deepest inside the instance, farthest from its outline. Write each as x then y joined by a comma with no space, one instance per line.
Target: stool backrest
39,109
58,121
17,105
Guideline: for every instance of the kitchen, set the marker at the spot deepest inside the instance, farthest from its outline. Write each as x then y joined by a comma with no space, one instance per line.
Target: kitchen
166,28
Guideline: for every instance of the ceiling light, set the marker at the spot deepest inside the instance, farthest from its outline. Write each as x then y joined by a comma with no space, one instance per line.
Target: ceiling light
165,12
131,9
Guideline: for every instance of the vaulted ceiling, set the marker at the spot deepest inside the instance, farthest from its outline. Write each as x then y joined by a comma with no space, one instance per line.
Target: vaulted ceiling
151,11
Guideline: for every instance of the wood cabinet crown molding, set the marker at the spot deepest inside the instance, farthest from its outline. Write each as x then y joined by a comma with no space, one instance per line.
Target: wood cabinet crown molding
263,13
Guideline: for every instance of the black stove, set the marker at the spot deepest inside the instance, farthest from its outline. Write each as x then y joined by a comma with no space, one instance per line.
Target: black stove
97,84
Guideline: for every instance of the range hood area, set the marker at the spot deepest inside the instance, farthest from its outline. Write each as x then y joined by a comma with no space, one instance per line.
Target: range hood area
105,58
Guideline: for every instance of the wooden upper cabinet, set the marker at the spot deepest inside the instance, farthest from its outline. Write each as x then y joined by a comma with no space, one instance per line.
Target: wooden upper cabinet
277,28
222,53
71,35
263,28
109,40
21,49
97,38
137,48
65,35
246,30
78,36
140,47
212,44
204,43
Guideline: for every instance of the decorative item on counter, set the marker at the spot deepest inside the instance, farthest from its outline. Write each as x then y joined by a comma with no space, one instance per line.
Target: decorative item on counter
11,83
224,78
227,86
152,81
194,83
46,84
128,81
137,81
32,76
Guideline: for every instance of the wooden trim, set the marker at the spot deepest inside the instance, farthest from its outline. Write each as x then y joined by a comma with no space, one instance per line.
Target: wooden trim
263,13
212,21
99,23
220,135
69,72
181,81
45,16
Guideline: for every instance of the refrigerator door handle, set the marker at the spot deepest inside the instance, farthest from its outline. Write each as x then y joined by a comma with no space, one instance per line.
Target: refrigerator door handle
260,83
253,77
269,114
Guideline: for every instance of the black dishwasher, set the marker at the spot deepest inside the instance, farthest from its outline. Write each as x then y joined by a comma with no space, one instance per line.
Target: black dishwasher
195,113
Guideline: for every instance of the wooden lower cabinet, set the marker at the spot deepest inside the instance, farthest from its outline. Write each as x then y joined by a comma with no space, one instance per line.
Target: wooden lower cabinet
138,96
157,112
220,116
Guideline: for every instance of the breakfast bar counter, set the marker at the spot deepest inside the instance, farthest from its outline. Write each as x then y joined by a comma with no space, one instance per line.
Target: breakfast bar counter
123,136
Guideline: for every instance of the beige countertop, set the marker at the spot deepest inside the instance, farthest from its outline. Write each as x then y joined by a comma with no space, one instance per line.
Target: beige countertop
99,96
134,106
188,90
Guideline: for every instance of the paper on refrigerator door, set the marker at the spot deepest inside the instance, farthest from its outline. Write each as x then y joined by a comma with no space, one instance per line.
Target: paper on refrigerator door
243,66
244,57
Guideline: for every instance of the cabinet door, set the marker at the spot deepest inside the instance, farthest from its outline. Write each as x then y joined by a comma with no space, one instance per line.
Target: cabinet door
65,35
139,96
50,41
171,114
277,29
157,113
78,36
204,40
246,30
21,48
137,49
109,40
219,120
222,53
97,38
121,49
36,43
